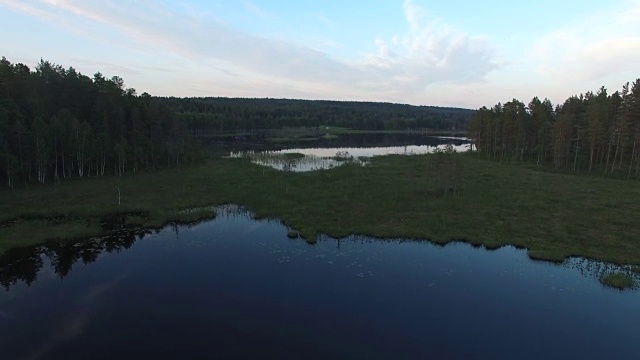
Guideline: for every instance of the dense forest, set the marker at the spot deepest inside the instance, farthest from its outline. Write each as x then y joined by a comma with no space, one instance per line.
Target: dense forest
57,123
592,133
211,116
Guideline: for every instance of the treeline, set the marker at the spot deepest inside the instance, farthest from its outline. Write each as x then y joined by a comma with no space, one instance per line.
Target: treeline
57,123
594,132
211,116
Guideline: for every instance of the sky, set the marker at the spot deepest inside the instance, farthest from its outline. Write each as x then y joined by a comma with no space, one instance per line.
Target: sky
422,52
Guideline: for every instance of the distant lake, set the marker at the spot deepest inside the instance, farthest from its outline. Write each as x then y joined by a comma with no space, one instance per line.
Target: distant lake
261,142
238,287
328,153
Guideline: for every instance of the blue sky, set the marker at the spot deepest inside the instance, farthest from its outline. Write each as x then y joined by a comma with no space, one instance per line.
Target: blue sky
447,53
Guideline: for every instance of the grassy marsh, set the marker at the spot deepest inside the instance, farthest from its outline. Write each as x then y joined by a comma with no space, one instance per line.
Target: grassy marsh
553,215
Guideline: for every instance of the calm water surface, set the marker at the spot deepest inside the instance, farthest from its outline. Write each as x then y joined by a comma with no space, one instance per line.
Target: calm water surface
237,287
322,154
461,146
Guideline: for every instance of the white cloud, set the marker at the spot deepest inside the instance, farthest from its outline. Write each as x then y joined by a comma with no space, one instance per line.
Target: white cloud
415,15
597,47
430,53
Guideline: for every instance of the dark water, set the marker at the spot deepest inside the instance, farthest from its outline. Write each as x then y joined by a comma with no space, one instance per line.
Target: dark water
238,288
261,143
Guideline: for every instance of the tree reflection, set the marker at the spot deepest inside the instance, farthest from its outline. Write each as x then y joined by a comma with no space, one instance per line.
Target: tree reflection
20,265
24,264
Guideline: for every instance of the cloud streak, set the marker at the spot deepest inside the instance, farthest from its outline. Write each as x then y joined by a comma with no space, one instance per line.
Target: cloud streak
429,53
434,52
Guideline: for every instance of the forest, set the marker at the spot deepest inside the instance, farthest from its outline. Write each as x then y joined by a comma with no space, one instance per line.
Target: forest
590,133
214,116
56,123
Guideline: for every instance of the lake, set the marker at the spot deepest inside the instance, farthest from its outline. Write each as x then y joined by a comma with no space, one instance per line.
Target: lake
238,287
352,148
261,142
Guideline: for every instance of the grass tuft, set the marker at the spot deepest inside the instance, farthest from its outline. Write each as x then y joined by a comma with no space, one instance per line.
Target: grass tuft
618,281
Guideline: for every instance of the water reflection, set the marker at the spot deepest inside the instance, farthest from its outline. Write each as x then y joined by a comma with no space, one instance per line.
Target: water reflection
317,158
373,151
236,287
261,143
281,161
22,265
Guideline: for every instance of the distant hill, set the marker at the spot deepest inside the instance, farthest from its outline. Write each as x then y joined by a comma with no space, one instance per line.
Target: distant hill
223,115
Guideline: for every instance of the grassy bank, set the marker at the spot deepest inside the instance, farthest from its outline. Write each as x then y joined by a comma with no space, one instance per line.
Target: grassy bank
553,215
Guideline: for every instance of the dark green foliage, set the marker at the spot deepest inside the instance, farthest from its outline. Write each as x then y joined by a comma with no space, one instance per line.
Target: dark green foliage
56,123
215,116
590,133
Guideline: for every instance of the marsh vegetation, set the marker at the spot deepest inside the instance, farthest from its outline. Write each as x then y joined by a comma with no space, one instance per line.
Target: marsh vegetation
394,196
